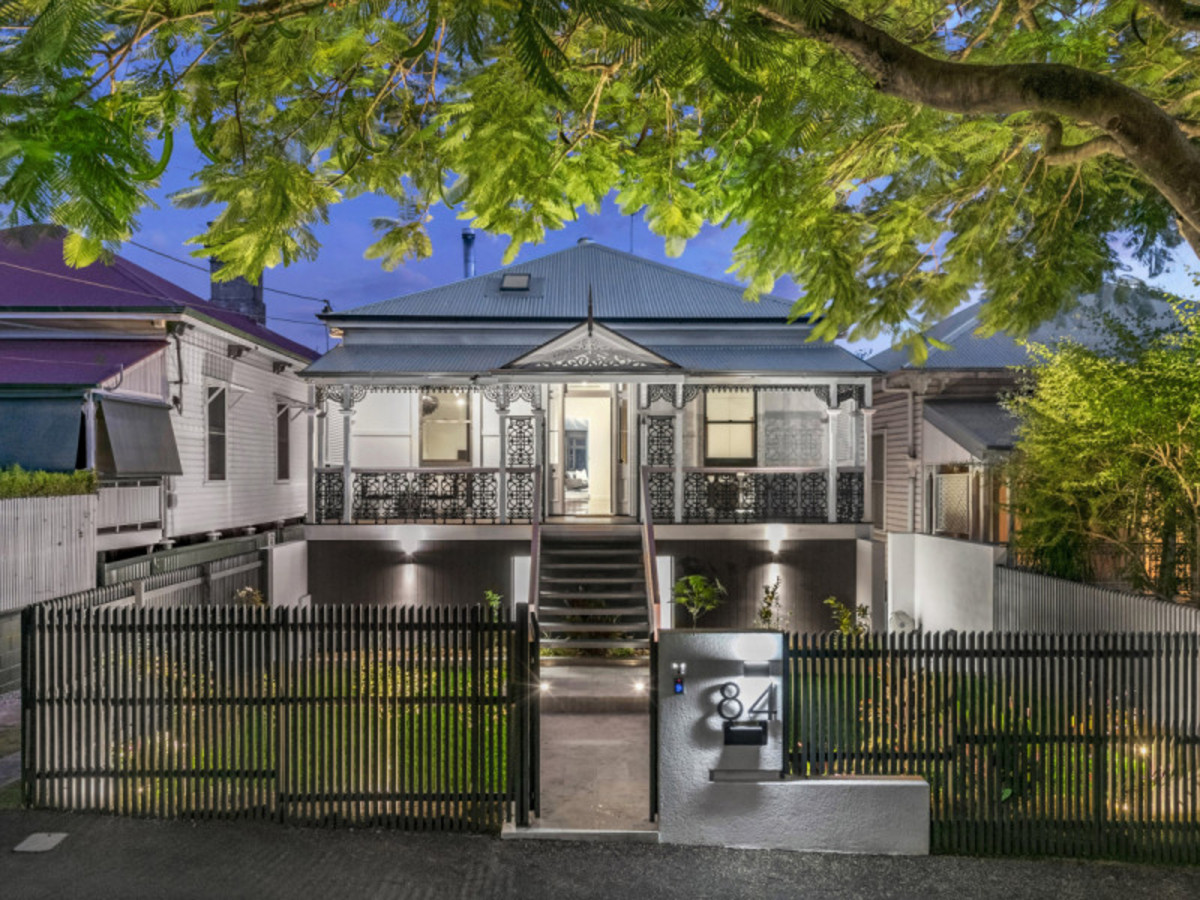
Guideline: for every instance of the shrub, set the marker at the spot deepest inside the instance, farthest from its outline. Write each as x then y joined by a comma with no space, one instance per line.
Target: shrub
17,482
698,595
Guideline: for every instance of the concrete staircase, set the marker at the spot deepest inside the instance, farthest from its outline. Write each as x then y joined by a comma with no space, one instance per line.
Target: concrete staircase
592,595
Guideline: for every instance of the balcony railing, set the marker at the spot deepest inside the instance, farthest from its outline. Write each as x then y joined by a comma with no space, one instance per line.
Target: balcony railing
129,506
731,495
469,496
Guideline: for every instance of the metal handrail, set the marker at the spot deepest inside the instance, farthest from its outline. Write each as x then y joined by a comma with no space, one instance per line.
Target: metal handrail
535,543
749,470
649,557
469,470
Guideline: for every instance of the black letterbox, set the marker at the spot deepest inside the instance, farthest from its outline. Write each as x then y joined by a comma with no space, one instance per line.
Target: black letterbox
746,734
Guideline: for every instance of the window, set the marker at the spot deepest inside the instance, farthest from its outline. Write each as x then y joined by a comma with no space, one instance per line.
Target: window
514,281
879,480
283,443
729,428
216,433
445,430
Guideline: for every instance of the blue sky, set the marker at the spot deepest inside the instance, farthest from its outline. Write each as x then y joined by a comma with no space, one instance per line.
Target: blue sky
341,275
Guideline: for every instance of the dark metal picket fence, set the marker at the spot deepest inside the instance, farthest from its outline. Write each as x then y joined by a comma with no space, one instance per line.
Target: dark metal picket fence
1066,745
409,718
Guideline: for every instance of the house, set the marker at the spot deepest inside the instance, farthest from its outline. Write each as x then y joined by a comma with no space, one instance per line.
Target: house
939,430
583,428
190,410
939,438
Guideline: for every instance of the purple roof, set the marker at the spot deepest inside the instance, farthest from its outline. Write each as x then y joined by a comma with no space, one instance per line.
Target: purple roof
34,277
61,362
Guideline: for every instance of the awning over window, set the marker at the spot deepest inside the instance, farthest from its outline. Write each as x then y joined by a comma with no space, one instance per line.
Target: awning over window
977,425
41,433
135,439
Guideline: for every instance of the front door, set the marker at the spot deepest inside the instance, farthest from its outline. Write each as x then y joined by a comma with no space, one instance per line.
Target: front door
586,451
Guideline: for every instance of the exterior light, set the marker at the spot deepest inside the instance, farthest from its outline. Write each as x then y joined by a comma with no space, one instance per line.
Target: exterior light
774,535
639,687
544,687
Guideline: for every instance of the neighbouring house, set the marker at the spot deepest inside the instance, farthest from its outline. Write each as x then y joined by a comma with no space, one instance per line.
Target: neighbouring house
592,424
191,411
940,436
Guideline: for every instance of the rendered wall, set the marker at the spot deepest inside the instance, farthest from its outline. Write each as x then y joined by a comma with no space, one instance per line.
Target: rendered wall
287,568
945,584
711,793
809,571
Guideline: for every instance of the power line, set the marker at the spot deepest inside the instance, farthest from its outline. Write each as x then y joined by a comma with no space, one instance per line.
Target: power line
200,268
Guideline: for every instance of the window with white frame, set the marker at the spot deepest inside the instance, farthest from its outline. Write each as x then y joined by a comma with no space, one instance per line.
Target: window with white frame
215,423
729,426
283,442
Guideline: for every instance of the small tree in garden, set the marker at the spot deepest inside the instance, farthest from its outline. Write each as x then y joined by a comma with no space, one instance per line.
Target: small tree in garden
851,621
698,595
770,613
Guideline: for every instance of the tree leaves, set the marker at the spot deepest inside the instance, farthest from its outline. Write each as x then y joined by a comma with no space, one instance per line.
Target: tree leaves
522,113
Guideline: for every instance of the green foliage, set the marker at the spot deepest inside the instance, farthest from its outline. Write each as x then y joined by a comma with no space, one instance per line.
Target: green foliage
16,482
698,595
1106,456
250,596
493,600
520,114
770,612
851,621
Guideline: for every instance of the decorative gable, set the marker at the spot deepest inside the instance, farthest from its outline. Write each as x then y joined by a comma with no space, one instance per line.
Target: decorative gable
589,346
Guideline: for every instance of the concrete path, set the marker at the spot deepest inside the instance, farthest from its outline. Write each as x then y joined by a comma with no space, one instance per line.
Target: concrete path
106,856
596,772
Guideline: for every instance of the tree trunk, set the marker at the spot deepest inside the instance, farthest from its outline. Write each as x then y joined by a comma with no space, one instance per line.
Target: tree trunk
1148,137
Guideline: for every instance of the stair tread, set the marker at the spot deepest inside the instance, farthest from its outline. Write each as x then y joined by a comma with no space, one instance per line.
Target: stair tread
594,627
605,566
591,611
593,595
595,645
584,579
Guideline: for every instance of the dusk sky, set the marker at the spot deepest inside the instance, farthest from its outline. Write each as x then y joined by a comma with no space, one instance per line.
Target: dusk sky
341,275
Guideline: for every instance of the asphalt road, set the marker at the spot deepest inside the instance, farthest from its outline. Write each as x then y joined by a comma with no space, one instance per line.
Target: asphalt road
106,856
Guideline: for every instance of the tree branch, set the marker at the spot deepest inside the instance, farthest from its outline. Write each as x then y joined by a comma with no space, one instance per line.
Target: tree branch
1056,154
1176,13
1148,137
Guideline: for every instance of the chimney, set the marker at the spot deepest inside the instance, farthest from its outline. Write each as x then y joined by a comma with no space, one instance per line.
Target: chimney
238,295
468,253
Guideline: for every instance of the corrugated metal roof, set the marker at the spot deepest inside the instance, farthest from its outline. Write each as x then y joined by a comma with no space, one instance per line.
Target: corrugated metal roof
433,359
35,277
623,287
977,425
69,362
970,351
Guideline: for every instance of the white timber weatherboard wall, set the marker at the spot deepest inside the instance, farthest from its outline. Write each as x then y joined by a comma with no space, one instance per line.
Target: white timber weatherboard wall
249,493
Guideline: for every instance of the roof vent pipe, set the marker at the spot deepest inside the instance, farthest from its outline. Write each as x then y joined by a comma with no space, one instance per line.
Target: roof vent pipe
468,238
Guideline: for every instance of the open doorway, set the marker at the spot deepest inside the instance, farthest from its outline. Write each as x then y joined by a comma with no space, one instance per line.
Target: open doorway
587,450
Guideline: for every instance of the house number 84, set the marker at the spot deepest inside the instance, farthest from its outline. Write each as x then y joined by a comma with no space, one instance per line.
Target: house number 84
730,707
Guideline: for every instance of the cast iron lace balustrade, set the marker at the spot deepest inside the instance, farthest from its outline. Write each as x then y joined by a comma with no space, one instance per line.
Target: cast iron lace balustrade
850,496
775,494
462,495
329,495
